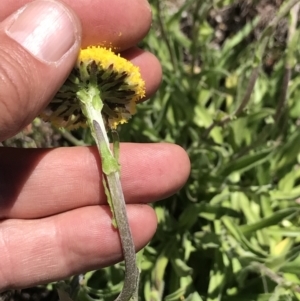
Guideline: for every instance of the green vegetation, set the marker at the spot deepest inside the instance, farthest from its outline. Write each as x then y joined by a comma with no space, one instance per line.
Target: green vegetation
232,233
233,102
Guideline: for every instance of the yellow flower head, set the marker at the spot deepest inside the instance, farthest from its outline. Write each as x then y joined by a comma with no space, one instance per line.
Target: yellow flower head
119,83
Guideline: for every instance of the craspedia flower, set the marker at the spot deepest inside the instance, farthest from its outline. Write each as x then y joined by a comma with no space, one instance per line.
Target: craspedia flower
118,81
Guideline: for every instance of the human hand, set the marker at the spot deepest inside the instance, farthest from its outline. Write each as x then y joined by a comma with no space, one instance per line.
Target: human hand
52,225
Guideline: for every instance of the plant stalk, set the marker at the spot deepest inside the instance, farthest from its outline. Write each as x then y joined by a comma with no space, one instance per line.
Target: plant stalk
113,189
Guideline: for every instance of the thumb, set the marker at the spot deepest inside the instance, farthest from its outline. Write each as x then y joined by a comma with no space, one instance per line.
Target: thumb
39,46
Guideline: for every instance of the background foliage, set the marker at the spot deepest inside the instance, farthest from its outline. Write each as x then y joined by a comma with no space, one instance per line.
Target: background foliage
230,96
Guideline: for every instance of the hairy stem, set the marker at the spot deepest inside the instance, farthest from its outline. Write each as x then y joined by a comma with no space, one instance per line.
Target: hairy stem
120,216
113,189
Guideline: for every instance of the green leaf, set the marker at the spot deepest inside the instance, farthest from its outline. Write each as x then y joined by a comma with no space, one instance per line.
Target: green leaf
276,218
246,163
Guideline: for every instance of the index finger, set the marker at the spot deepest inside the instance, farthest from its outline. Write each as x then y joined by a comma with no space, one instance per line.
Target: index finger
114,23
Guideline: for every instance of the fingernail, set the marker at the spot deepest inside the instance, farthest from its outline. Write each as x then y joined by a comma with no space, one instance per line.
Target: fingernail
44,28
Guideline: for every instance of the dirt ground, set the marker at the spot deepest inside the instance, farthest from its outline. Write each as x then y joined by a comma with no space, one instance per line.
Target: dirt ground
232,18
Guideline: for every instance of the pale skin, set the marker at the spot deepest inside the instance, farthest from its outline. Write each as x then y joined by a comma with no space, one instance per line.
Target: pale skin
52,225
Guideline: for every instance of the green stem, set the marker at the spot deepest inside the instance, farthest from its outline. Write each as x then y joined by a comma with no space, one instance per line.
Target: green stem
113,189
242,105
69,137
165,35
120,216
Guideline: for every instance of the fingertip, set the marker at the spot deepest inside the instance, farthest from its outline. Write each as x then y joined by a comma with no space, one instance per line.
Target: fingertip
143,222
177,167
162,169
119,24
150,68
183,166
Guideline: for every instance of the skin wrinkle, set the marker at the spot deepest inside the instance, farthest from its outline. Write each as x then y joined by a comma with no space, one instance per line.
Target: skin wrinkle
4,256
76,249
61,242
16,86
29,72
25,256
14,62
7,82
11,229
3,107
41,261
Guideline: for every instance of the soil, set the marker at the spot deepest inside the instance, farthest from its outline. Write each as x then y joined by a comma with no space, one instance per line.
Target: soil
229,20
30,294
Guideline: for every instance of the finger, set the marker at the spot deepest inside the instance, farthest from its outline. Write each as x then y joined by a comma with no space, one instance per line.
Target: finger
117,23
36,183
41,251
39,45
149,66
23,90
